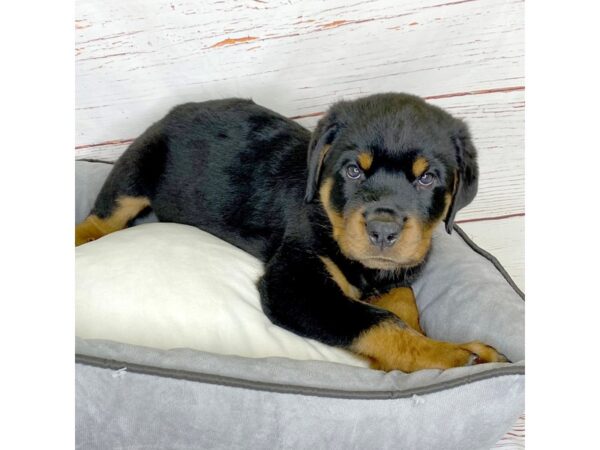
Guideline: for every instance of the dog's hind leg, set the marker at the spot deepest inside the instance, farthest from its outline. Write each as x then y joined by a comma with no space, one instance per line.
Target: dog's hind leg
129,188
124,209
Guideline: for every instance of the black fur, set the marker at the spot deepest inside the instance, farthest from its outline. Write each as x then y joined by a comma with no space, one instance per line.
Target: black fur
242,173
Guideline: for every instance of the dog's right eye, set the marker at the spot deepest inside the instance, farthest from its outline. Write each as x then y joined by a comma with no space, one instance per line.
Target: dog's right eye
353,171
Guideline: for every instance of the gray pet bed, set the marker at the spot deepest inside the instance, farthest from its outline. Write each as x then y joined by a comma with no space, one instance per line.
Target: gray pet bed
132,396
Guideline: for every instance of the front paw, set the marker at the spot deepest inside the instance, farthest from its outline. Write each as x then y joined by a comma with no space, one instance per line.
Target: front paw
391,347
484,353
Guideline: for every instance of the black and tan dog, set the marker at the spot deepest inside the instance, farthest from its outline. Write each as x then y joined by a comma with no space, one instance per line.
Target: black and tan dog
342,235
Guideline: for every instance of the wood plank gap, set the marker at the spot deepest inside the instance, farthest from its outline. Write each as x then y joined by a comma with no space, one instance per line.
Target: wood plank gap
320,113
100,144
482,219
435,97
478,92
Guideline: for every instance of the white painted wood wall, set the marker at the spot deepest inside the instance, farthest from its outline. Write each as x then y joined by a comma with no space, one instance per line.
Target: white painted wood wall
136,59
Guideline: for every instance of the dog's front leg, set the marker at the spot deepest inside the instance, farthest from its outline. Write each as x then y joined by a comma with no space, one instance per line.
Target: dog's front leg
299,293
401,301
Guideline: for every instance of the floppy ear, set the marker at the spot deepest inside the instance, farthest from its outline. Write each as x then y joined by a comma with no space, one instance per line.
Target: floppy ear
467,175
319,145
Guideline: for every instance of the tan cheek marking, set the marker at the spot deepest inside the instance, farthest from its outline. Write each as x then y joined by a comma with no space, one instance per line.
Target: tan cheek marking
414,242
365,160
350,235
411,232
419,166
411,243
355,243
415,238
423,247
340,279
336,219
94,227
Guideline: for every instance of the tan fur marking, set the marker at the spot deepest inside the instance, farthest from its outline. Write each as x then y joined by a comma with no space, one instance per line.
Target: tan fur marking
419,166
485,352
365,160
340,279
401,301
93,227
411,248
354,242
414,241
391,347
336,219
351,235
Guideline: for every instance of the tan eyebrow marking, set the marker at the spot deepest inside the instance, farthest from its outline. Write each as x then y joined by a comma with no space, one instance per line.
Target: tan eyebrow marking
365,160
419,166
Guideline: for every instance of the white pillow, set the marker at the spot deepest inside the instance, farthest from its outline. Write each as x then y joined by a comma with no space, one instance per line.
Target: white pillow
166,285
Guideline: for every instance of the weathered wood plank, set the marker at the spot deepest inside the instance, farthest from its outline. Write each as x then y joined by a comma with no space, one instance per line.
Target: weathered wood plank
515,438
505,240
135,60
496,122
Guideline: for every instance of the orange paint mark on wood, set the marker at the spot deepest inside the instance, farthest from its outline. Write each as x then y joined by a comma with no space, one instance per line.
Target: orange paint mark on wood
481,219
304,116
334,24
233,41
478,92
100,144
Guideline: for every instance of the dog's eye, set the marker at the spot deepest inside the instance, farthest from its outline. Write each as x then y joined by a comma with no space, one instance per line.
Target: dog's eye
426,179
353,171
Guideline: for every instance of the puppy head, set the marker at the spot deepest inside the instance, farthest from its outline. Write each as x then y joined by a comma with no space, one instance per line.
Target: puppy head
387,169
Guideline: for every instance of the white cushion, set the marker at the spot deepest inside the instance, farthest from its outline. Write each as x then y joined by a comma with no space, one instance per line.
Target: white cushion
166,285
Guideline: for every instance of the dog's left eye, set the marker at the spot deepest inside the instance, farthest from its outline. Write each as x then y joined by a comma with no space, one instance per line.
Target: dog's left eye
353,171
426,179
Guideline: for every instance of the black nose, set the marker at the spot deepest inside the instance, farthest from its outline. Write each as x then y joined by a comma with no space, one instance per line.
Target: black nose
383,233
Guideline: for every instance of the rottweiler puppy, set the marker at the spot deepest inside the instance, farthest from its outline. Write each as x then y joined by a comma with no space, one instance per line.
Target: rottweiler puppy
343,229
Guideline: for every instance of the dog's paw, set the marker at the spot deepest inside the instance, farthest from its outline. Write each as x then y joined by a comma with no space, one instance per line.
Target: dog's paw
483,353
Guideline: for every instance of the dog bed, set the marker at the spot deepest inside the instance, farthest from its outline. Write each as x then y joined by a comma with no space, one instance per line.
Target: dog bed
173,351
